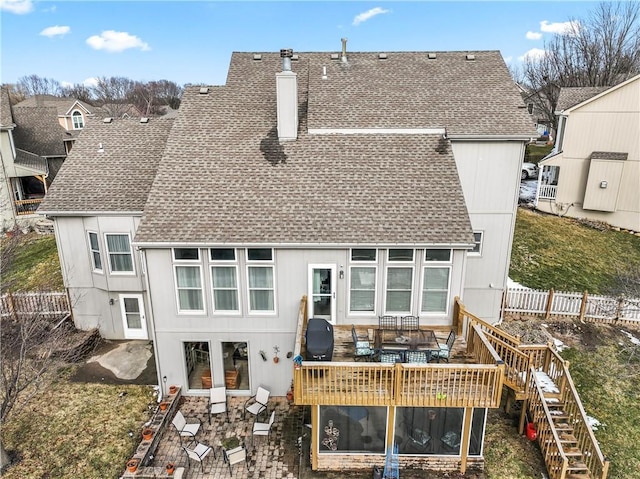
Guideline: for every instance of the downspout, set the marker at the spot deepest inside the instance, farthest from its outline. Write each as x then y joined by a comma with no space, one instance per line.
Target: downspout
152,326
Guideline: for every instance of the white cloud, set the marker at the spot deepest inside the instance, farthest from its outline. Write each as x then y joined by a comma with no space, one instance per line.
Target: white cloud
113,41
533,54
55,31
561,28
364,16
66,84
16,6
91,81
533,35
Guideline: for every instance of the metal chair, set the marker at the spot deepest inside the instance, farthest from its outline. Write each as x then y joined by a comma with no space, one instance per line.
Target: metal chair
185,429
363,349
388,322
390,356
409,323
263,428
259,404
445,349
198,454
235,456
417,357
217,401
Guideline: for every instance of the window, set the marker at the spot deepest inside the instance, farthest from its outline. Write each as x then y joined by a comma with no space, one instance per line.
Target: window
342,429
435,281
362,281
399,285
477,244
78,120
189,289
186,254
94,247
400,255
119,250
435,430
363,255
260,280
224,280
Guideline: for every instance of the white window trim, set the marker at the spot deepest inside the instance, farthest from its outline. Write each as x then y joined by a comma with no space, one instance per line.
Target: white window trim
399,261
263,312
397,265
364,261
189,261
479,252
92,251
223,261
133,260
190,264
225,264
434,265
73,116
130,333
363,264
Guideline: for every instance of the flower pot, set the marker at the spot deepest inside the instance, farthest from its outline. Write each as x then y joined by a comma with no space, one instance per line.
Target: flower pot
276,359
170,468
289,395
173,389
147,434
164,405
132,465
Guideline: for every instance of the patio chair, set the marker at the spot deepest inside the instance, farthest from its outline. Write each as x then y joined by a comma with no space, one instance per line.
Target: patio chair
235,456
258,403
390,356
363,349
185,429
263,428
198,453
409,323
217,401
388,322
445,349
417,357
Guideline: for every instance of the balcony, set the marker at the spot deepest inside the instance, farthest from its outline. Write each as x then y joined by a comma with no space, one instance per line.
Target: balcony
27,207
547,191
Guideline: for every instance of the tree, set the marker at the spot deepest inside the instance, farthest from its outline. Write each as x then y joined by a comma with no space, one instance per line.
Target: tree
78,91
32,85
113,94
601,50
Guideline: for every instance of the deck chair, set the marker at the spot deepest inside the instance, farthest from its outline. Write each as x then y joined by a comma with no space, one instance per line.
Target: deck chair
409,323
390,356
217,401
363,349
198,453
445,349
258,403
263,428
235,456
388,322
185,429
417,357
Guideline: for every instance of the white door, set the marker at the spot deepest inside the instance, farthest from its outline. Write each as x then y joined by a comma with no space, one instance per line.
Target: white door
133,318
322,291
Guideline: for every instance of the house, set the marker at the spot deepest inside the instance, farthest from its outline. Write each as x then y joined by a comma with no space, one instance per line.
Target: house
539,104
369,183
594,170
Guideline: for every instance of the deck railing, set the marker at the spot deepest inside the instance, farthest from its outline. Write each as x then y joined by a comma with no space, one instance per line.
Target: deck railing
27,207
547,191
27,304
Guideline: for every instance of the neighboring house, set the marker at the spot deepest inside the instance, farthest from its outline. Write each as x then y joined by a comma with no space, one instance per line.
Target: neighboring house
594,170
371,183
117,110
539,106
23,178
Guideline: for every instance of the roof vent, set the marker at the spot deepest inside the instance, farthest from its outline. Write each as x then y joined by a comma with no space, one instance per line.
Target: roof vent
144,119
382,56
100,148
204,90
295,57
344,50
431,56
324,72
471,57
286,54
335,56
257,56
107,120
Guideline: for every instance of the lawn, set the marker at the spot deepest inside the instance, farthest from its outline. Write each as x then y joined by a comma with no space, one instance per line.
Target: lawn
534,153
563,254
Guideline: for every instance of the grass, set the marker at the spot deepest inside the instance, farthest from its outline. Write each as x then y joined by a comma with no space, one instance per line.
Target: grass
71,430
534,153
563,254
35,265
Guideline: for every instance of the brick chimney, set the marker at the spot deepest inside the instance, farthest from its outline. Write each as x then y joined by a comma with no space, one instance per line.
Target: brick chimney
287,93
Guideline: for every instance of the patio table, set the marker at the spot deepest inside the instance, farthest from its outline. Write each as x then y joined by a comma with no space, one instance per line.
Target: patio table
406,340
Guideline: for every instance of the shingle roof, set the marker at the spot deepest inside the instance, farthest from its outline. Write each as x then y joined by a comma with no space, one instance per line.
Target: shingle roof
571,96
61,104
6,119
38,131
608,155
239,185
31,161
116,180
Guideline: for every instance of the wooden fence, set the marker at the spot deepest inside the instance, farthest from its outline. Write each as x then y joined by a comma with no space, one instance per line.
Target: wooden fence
51,304
584,306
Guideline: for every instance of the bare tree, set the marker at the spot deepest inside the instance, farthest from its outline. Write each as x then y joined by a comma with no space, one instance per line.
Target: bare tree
79,92
601,50
113,94
32,85
149,97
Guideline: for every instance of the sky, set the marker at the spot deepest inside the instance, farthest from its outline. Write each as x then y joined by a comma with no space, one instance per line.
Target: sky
192,41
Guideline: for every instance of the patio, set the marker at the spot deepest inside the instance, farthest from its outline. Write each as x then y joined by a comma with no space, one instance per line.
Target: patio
275,457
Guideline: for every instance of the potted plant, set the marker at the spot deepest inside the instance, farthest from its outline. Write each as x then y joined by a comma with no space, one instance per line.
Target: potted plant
170,468
173,389
132,465
147,433
229,443
164,405
290,393
276,350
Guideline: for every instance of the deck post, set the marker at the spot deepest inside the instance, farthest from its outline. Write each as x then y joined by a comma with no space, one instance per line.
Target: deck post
466,437
583,305
315,421
549,302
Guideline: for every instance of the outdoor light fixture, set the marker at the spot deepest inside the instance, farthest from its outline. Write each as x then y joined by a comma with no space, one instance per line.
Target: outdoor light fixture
111,301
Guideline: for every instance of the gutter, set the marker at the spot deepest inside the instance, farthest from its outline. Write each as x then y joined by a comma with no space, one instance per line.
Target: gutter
89,213
190,244
519,137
